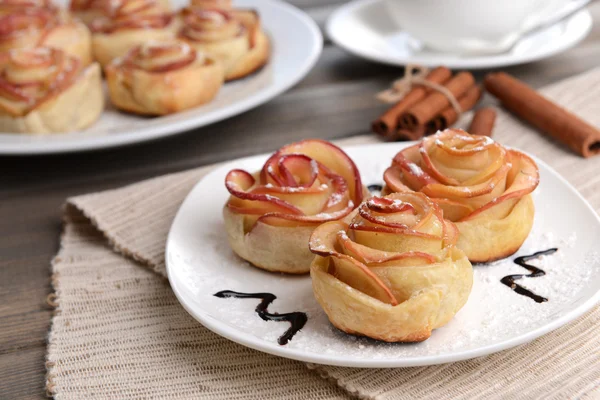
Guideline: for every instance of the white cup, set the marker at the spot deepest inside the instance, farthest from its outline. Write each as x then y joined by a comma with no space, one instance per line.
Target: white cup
470,26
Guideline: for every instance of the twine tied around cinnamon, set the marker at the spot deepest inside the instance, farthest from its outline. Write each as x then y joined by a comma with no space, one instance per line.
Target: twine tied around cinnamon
425,102
415,75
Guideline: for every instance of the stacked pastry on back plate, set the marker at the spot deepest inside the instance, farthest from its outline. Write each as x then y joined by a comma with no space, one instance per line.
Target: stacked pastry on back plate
156,61
391,267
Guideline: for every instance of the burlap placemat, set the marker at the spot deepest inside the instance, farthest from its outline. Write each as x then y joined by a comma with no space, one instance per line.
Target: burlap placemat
120,333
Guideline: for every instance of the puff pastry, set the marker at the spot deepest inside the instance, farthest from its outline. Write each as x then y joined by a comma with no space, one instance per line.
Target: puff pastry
391,270
163,77
30,27
480,185
131,23
234,37
44,90
271,214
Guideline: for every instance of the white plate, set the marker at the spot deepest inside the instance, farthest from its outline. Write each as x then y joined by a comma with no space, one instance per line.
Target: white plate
200,263
297,44
365,29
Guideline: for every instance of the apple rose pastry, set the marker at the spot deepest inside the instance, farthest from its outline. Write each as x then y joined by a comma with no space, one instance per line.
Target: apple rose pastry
38,27
271,214
88,10
390,270
160,78
233,37
44,90
130,24
480,185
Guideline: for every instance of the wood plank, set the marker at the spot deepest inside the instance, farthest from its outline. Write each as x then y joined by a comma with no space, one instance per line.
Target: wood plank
22,375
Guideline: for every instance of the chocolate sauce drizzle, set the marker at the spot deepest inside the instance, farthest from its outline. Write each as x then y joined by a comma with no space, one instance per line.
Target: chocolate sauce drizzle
296,319
535,272
375,187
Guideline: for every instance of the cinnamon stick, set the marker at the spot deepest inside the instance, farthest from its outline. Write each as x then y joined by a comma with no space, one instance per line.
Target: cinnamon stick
448,116
386,124
544,114
405,134
432,105
483,122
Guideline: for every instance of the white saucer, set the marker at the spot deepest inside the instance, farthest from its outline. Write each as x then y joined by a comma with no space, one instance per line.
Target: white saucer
200,263
296,43
365,29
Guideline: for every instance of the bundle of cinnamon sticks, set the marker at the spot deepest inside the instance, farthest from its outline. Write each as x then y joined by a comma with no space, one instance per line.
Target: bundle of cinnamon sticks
425,110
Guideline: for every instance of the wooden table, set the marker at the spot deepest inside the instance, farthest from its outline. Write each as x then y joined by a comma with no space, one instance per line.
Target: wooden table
333,101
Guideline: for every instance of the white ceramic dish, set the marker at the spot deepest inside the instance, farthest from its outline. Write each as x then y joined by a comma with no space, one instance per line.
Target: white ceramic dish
365,29
200,263
296,42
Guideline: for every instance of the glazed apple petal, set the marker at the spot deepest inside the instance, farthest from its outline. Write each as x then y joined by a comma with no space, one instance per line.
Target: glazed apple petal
309,203
388,205
496,159
331,157
406,211
323,240
369,256
161,56
523,179
524,174
319,198
406,166
209,25
454,210
491,188
393,180
408,259
281,219
468,161
394,239
451,234
298,170
238,182
358,276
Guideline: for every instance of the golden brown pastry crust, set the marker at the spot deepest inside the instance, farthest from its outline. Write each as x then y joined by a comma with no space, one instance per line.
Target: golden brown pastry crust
271,214
390,270
234,37
38,27
163,77
481,186
44,90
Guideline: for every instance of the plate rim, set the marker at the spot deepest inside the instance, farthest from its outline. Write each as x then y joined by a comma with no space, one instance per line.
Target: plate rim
230,333
493,61
145,134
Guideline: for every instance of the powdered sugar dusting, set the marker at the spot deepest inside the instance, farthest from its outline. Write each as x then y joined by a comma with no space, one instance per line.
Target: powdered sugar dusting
202,263
415,169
